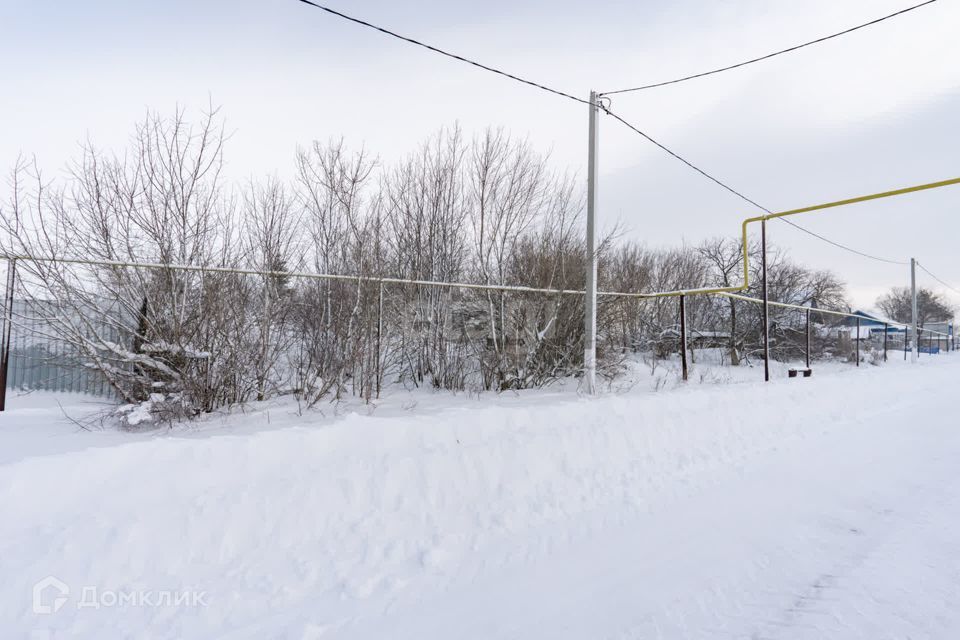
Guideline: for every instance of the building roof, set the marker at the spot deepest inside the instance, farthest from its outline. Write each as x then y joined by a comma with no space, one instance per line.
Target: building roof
866,319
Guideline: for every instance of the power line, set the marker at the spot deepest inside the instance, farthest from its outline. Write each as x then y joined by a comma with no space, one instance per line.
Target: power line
532,84
454,56
685,161
771,55
742,196
843,246
929,273
568,96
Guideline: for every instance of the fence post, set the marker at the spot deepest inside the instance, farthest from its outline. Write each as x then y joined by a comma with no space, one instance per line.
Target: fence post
913,310
379,371
683,336
7,327
857,340
885,328
919,339
808,339
766,302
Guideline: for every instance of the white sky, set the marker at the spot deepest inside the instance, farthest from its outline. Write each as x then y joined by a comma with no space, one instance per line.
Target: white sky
875,110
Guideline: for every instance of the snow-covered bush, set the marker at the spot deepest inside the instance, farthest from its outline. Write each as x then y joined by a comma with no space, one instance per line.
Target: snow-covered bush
157,410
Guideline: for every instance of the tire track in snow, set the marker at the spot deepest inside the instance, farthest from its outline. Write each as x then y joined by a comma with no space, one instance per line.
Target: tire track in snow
814,607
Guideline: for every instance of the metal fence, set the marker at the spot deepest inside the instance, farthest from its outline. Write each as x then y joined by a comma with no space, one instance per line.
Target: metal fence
40,361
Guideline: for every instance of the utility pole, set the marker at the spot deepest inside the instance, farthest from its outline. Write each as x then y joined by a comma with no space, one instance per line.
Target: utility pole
590,302
913,296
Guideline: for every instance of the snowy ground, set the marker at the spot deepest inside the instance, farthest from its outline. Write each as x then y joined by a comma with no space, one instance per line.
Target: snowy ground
811,508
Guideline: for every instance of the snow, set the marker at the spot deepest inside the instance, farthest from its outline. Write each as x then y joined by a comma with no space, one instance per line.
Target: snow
807,508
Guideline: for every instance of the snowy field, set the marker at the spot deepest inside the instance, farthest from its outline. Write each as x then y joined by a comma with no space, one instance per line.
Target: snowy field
813,508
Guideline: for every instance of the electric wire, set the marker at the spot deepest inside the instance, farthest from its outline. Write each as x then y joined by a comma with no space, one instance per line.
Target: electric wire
434,49
931,274
684,160
604,106
740,195
843,246
771,55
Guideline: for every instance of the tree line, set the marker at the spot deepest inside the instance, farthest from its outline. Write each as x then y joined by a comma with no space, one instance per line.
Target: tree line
488,210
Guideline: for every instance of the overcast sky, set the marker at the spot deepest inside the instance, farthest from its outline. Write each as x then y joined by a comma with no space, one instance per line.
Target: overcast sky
875,110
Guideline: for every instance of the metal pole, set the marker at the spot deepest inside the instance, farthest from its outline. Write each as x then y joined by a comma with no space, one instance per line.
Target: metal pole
766,302
913,296
808,338
857,340
379,371
683,336
590,301
7,327
885,329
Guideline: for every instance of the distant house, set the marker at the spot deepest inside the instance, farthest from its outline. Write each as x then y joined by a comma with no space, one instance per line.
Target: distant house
940,326
870,326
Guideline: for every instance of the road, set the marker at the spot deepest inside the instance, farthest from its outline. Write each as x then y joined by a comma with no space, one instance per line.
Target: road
802,509
853,532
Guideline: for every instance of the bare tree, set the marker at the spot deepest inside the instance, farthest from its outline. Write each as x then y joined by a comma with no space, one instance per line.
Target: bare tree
724,258
488,210
334,316
897,304
162,202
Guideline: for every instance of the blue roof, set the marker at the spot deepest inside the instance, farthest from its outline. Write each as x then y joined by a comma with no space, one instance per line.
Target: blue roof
866,320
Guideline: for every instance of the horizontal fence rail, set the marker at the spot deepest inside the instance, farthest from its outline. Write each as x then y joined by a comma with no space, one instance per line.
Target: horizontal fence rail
440,284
